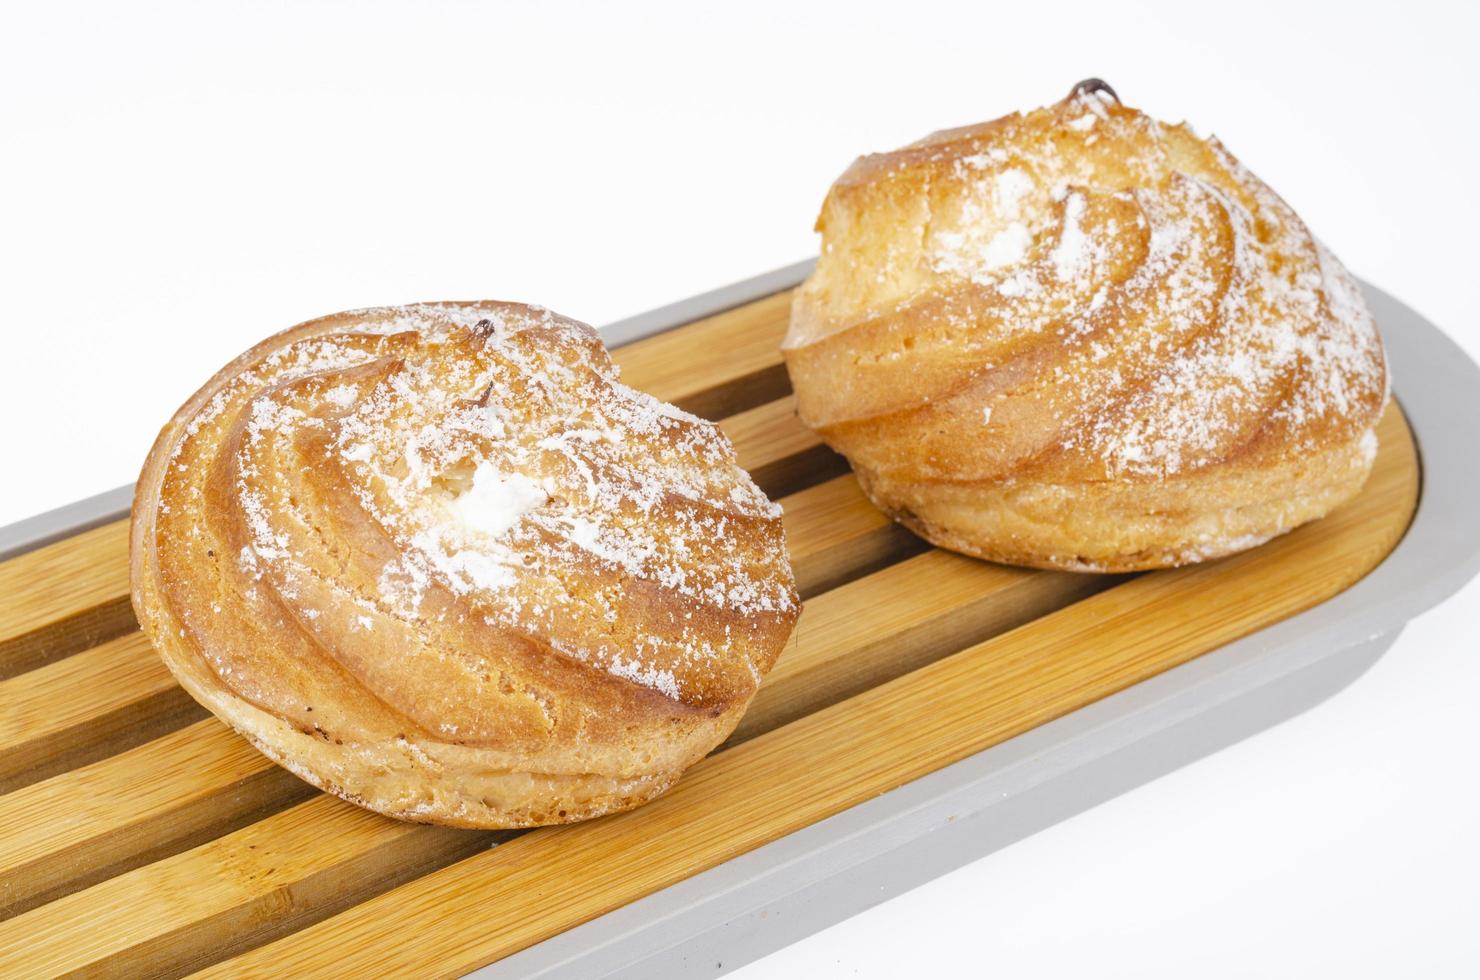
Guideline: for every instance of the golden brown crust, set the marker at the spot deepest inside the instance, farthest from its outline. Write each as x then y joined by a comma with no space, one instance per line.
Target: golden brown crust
439,561
1080,338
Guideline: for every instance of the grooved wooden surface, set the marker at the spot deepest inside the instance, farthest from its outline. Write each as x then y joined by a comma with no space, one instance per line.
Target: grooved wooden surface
140,836
166,812
731,363
782,455
474,912
83,707
64,597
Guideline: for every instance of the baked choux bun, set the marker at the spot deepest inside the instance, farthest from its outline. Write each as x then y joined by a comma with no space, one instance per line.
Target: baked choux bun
437,560
1083,339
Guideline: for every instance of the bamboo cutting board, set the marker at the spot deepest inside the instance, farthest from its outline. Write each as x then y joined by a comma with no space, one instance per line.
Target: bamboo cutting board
138,835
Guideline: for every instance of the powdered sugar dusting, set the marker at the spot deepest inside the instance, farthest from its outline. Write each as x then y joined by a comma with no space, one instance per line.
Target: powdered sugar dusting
497,501
1071,256
1189,307
495,449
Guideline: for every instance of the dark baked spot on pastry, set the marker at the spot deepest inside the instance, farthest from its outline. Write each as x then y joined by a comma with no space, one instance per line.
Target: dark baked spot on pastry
1090,86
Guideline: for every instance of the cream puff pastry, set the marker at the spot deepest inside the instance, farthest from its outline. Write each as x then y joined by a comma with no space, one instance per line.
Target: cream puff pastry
1083,339
439,561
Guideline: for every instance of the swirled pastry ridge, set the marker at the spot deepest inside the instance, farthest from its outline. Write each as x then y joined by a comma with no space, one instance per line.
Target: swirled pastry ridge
439,561
1079,338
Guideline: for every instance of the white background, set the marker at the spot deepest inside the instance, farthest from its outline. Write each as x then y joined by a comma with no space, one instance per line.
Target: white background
179,181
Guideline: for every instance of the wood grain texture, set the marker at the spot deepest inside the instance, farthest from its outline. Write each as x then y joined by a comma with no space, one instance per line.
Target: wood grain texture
179,789
141,839
476,911
782,455
84,707
115,697
836,535
872,630
717,366
124,811
885,625
64,597
230,893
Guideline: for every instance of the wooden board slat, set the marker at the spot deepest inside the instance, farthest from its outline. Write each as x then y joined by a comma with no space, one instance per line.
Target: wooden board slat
835,535
64,597
782,455
73,594
118,695
168,794
84,707
205,779
885,625
717,366
478,910
274,880
874,629
142,837
126,696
